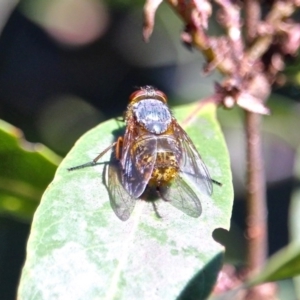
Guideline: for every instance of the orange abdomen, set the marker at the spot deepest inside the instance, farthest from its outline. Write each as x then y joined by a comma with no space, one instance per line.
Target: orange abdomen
165,169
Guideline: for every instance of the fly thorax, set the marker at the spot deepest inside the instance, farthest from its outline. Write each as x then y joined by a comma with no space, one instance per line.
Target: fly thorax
153,115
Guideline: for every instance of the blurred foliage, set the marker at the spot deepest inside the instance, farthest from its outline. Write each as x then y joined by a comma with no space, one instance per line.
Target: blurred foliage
282,265
26,170
294,218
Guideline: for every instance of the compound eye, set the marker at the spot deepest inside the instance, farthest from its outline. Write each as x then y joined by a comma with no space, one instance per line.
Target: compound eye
137,95
148,92
161,96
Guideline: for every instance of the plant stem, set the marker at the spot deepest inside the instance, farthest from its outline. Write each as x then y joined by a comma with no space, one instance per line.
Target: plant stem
256,230
256,196
256,223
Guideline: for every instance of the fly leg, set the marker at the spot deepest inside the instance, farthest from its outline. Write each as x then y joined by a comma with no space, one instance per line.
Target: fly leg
216,182
155,210
118,144
160,194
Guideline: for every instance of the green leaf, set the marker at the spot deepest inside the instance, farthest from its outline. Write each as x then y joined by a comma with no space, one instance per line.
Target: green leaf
294,219
283,264
25,171
79,249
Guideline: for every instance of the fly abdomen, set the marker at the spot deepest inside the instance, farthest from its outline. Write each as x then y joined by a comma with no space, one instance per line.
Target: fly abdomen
165,169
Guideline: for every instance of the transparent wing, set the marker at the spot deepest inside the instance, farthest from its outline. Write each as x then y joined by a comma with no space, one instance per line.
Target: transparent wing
190,161
121,202
138,159
181,196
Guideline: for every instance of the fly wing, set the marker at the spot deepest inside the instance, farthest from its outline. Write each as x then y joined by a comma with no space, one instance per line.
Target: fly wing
138,160
181,196
190,161
121,202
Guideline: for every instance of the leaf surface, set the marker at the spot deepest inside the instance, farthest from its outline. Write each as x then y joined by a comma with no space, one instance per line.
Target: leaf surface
79,249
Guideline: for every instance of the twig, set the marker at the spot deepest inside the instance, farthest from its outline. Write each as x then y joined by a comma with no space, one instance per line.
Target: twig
256,195
256,223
